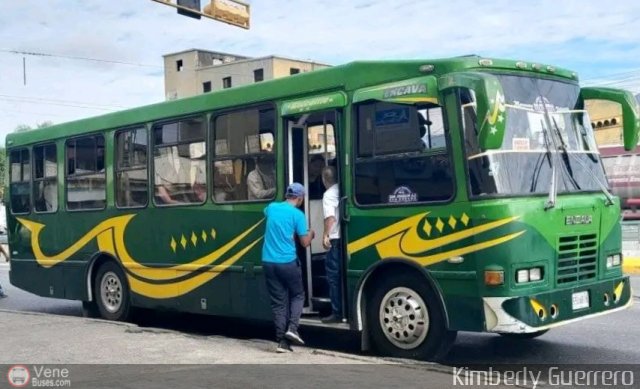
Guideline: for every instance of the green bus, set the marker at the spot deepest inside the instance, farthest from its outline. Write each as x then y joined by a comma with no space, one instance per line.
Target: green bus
473,199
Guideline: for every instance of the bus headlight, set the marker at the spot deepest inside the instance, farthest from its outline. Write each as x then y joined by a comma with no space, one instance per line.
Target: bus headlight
522,276
614,260
535,274
529,275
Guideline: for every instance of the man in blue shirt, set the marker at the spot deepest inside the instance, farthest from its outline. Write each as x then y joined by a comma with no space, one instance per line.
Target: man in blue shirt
281,264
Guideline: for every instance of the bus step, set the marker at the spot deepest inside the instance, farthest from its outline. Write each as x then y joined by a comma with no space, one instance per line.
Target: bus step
316,322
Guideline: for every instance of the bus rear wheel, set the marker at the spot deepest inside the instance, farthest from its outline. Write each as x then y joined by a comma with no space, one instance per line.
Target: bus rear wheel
112,292
406,321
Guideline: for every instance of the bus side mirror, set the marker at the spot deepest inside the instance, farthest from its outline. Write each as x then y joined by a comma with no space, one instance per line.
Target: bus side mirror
490,105
630,110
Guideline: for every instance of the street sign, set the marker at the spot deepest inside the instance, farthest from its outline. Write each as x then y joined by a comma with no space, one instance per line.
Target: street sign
234,12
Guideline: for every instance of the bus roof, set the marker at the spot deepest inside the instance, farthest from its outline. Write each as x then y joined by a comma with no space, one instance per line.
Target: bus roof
348,77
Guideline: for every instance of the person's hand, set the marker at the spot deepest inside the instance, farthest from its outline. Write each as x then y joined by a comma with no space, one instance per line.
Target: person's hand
326,242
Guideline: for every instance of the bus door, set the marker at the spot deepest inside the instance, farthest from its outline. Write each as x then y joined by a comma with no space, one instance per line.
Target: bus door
311,146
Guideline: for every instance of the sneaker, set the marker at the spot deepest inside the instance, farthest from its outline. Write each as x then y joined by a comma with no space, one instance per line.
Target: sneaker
294,337
3,295
284,347
331,319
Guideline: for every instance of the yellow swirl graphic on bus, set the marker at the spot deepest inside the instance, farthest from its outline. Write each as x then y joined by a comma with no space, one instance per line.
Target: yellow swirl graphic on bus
402,239
154,282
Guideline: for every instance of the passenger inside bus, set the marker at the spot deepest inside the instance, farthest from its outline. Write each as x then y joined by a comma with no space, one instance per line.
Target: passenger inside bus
261,182
224,183
316,188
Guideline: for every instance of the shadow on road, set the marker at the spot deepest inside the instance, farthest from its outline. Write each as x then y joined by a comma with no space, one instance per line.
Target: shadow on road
205,325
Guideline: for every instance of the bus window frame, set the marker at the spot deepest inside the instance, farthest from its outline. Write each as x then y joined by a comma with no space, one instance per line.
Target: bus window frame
355,159
142,126
21,148
33,175
66,172
213,159
151,164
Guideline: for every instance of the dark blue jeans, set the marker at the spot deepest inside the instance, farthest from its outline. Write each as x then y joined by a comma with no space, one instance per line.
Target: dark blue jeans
333,265
284,283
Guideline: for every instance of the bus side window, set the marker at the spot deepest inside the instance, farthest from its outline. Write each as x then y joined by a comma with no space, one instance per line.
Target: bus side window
86,178
403,154
20,175
131,168
45,180
243,151
179,162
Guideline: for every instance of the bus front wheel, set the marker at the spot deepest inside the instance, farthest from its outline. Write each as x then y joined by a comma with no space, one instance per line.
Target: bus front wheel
112,292
405,319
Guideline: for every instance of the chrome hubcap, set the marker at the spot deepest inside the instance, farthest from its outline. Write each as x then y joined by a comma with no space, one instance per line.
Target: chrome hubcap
111,292
404,318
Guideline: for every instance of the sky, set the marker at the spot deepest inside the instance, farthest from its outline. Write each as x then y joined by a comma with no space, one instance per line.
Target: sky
103,56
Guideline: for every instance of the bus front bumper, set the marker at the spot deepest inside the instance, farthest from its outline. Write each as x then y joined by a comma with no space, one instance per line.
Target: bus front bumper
539,312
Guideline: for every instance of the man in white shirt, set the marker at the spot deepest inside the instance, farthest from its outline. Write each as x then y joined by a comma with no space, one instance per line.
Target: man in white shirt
331,242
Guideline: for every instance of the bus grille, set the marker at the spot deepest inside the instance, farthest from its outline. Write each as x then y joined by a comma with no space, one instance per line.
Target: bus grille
577,258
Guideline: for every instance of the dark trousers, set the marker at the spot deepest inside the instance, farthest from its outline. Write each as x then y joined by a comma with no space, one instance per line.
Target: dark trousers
284,283
333,266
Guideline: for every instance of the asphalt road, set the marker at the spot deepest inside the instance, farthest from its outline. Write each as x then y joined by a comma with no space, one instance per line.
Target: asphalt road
611,339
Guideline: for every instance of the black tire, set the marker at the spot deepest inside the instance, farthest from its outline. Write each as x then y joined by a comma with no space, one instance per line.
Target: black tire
114,303
408,291
524,336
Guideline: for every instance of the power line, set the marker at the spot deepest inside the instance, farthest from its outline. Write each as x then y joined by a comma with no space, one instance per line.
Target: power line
54,103
39,54
44,100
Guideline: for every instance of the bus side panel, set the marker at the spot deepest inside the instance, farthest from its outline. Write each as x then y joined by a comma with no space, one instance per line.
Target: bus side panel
26,274
464,310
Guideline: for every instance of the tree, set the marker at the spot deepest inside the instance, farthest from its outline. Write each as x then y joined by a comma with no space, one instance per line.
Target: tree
26,127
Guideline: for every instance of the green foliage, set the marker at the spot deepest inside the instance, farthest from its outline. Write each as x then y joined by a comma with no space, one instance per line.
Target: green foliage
25,127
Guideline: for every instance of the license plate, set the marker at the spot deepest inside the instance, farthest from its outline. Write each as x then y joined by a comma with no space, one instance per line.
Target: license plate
580,300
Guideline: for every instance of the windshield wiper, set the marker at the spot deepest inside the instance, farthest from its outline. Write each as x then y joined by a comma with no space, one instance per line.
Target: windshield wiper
538,167
553,188
565,154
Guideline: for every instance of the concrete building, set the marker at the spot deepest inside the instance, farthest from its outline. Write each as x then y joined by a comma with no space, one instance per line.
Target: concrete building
192,72
606,120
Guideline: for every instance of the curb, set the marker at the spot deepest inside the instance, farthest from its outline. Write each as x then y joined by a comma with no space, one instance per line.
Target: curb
631,265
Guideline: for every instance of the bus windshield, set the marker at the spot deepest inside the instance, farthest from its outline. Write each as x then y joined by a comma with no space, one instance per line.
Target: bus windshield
524,163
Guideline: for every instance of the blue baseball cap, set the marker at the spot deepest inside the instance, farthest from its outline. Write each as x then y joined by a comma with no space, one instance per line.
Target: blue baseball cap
295,190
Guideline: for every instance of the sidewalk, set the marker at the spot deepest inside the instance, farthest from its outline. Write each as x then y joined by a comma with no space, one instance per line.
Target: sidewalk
32,339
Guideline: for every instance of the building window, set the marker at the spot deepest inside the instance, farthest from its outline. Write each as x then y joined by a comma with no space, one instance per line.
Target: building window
179,162
293,71
179,65
206,86
45,180
85,173
243,150
226,82
131,168
402,154
20,180
258,75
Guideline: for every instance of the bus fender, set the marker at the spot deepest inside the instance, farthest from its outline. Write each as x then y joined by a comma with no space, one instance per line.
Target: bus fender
360,303
97,258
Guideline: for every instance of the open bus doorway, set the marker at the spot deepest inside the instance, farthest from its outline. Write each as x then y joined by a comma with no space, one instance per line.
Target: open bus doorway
311,147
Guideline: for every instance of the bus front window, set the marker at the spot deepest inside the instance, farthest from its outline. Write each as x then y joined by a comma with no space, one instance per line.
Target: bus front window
524,163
